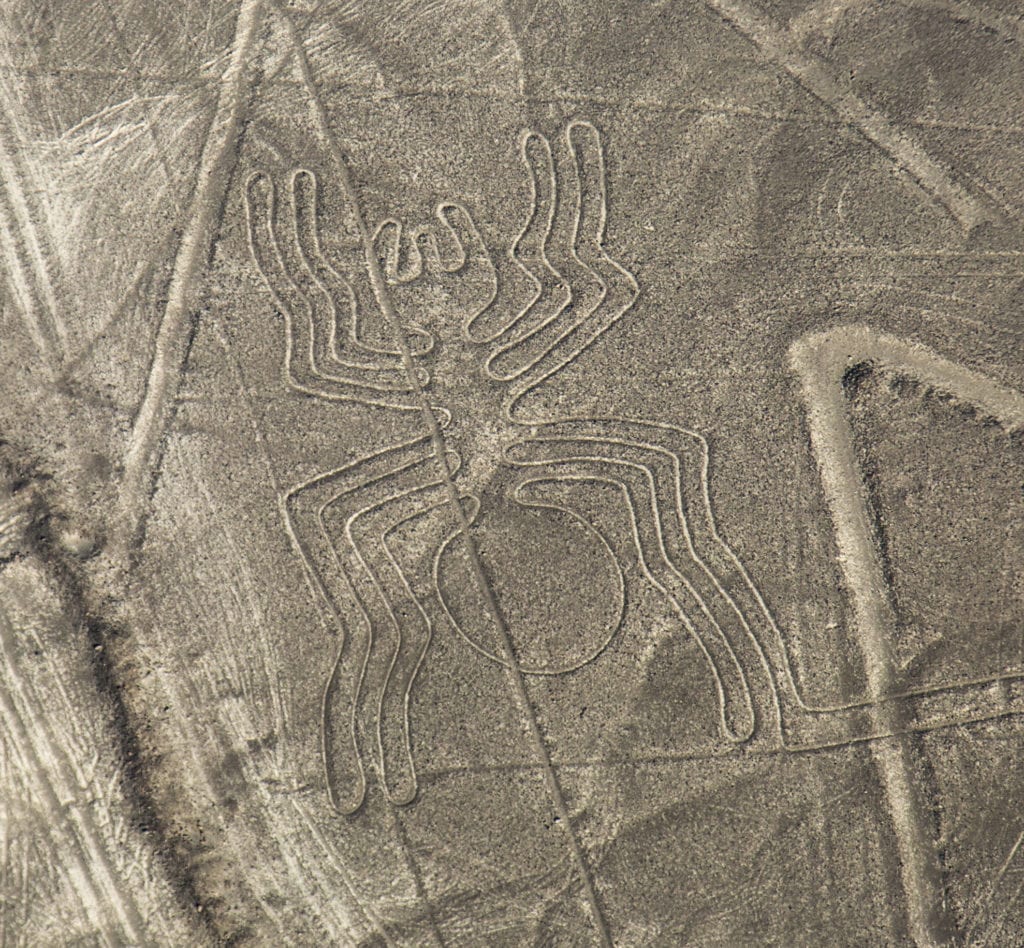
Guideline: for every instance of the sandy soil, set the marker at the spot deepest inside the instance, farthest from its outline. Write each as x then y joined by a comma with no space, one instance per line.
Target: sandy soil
511,473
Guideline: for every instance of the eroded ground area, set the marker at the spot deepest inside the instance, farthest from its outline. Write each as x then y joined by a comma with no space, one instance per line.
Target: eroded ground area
481,473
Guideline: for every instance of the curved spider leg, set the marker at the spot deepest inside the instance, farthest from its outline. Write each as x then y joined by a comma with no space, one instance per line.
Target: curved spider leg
430,254
326,293
677,462
306,204
542,292
478,278
435,504
395,626
574,217
387,242
608,289
448,262
641,497
367,385
329,579
404,627
522,288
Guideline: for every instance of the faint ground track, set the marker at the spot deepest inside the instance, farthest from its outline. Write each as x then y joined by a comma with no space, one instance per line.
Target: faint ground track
39,319
29,249
824,15
65,774
988,905
97,887
123,49
783,47
150,423
821,361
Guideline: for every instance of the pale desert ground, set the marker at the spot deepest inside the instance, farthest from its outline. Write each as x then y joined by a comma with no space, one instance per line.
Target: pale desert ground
483,473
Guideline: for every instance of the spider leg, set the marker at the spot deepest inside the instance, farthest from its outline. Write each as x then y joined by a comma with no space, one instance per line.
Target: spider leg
310,307
591,291
403,626
677,460
550,294
653,521
331,578
445,265
306,199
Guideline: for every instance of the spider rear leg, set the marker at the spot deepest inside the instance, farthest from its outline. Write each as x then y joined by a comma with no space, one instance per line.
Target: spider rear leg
331,577
641,460
402,626
678,460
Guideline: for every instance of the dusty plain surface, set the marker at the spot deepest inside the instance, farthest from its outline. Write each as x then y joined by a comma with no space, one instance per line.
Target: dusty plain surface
511,473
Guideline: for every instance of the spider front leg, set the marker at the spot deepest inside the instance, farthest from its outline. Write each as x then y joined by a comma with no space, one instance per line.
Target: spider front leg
661,472
578,290
337,522
323,355
441,271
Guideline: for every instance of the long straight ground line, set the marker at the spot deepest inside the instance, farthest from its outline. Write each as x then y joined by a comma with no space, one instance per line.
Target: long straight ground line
382,295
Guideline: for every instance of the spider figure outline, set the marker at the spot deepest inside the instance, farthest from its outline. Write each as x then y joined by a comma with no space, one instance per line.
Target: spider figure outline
529,313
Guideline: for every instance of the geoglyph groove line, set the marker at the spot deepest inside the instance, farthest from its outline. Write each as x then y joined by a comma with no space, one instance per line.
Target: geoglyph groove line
381,292
729,676
518,494
360,552
312,364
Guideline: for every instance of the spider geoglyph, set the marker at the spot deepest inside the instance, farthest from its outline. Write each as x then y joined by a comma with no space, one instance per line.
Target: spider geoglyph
473,337
563,293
